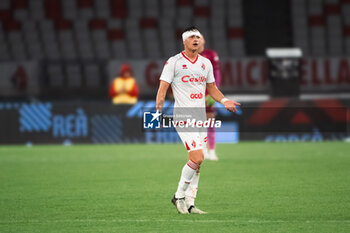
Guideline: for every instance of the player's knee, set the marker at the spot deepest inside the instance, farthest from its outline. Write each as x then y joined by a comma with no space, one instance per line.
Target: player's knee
197,156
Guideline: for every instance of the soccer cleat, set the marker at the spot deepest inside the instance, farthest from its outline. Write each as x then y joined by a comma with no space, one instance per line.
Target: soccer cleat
195,210
180,205
212,155
206,154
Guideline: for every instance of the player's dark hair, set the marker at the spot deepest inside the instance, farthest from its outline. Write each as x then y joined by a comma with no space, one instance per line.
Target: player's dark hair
189,29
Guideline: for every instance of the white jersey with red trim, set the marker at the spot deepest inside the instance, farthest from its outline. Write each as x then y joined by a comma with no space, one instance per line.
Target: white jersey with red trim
188,79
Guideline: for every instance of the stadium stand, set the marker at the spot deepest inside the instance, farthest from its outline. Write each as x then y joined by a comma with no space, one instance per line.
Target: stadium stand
320,27
118,29
88,33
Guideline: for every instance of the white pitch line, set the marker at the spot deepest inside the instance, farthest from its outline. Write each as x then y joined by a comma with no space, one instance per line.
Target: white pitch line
254,221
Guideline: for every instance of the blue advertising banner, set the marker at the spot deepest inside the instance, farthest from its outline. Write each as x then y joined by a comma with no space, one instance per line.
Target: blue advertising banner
100,122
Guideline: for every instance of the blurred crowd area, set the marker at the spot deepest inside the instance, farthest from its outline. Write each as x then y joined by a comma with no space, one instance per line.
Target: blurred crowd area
75,48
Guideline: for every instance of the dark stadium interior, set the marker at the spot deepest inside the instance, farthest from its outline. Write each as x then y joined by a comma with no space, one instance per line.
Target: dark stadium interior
69,44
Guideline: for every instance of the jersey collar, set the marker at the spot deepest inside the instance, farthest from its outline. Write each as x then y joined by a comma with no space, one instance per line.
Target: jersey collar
183,54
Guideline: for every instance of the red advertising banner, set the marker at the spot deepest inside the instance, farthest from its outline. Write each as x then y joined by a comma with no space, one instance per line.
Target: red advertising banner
249,74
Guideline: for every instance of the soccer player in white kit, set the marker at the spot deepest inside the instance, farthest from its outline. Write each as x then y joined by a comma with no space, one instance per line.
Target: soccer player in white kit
189,75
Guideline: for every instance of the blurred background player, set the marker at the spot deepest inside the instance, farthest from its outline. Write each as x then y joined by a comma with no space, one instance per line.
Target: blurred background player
124,88
213,57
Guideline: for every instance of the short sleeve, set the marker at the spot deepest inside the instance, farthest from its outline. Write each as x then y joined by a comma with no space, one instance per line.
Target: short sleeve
168,72
210,78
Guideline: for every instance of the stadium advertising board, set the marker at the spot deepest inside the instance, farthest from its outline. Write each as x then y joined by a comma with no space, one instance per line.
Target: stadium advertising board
277,120
249,74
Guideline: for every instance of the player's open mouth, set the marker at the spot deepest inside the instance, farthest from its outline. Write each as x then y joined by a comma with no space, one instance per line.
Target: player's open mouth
195,44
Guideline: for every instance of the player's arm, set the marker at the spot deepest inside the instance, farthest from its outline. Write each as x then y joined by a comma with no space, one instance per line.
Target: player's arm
163,88
217,95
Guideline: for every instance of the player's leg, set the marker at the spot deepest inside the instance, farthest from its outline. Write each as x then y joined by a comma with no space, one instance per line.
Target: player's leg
195,154
191,192
211,144
188,171
187,175
211,136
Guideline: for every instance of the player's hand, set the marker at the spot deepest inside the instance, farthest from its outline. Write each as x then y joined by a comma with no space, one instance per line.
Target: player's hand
231,105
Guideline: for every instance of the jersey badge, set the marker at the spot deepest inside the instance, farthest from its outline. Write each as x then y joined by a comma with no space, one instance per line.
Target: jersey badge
194,144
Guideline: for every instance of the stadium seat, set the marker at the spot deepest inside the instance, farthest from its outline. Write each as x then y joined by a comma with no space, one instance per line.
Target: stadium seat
15,39
346,12
334,35
134,39
102,9
99,37
135,9
115,24
300,25
236,43
315,7
49,36
118,44
218,32
36,9
185,12
167,37
151,8
150,35
4,51
118,8
66,40
82,35
20,10
168,9
55,75
346,25
32,40
74,75
69,9
217,9
235,33
53,9
92,75
116,36
86,9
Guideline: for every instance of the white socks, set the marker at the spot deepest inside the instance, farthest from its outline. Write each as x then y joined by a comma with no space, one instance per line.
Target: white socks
192,189
187,174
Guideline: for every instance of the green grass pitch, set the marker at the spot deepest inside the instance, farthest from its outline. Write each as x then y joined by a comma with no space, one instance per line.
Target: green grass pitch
254,187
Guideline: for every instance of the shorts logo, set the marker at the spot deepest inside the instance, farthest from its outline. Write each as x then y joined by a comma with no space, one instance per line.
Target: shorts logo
194,144
203,66
196,96
151,120
184,66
